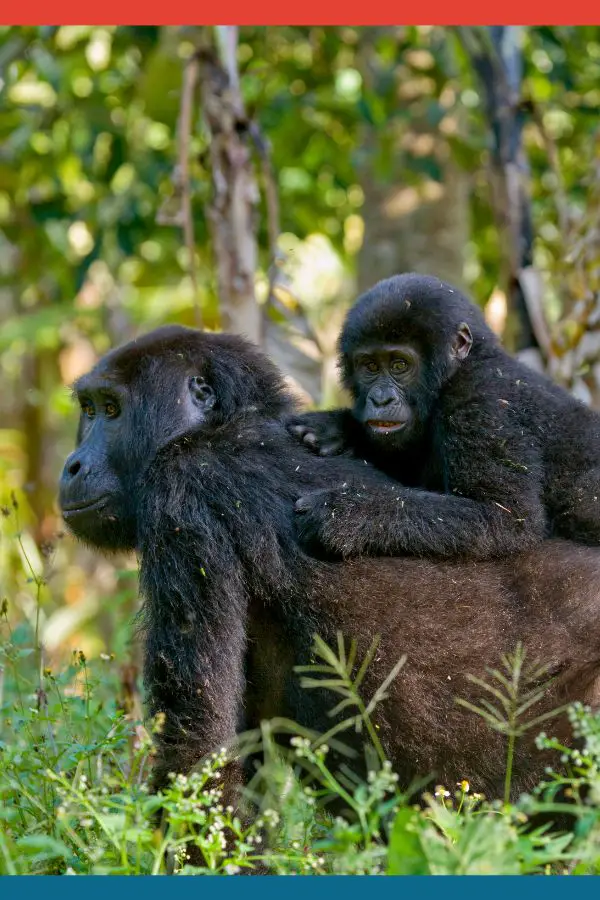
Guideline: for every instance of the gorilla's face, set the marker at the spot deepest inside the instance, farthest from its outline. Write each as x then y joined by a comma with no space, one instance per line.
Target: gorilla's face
96,487
395,385
123,422
385,378
140,398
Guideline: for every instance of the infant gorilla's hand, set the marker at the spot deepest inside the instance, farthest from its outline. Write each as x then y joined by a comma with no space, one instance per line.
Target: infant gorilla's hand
322,432
320,521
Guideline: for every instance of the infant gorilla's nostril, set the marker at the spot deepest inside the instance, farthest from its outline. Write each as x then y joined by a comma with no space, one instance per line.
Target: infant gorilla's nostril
382,401
74,468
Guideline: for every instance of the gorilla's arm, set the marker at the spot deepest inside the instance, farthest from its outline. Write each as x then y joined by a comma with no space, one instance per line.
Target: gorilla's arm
477,518
194,620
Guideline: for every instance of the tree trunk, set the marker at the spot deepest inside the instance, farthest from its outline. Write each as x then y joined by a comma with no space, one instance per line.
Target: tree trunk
497,58
410,229
232,211
420,225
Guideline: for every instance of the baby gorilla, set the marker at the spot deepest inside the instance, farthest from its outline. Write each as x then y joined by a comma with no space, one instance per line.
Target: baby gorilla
491,457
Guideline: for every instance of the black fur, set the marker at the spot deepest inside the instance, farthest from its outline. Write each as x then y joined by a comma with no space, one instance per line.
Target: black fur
492,456
231,601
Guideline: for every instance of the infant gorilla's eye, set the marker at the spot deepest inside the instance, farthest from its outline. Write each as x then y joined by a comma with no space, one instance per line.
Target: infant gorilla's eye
111,410
399,365
87,408
371,366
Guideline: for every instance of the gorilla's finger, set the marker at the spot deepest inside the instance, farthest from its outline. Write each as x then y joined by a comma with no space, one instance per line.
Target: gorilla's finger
332,448
298,430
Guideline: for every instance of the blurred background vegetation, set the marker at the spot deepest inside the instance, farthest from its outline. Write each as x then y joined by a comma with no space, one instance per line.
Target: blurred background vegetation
256,180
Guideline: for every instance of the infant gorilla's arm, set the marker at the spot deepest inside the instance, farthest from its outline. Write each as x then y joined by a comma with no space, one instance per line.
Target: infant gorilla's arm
382,517
377,517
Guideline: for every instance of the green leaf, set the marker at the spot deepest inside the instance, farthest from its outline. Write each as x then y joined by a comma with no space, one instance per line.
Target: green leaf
405,855
44,846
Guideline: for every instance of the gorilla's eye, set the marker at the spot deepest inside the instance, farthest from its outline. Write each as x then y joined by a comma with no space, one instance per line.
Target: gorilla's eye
399,365
111,410
87,408
371,366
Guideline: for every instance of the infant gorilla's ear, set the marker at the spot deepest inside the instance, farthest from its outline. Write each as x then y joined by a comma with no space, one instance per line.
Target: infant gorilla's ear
461,346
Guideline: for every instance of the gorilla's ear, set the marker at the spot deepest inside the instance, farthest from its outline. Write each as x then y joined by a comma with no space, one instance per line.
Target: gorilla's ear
462,343
201,393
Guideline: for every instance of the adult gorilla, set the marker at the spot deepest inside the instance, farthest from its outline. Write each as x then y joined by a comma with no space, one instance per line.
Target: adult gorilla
183,454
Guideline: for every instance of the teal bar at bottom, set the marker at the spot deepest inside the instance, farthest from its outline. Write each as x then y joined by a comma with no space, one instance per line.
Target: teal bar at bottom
493,887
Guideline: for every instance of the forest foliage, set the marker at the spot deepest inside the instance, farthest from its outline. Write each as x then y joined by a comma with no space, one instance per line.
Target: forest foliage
368,151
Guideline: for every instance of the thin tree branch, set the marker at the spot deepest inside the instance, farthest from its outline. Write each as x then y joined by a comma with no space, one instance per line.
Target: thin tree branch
184,129
496,58
562,206
263,149
231,212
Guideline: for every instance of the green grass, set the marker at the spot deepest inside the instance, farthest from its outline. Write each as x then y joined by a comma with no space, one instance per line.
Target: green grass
74,794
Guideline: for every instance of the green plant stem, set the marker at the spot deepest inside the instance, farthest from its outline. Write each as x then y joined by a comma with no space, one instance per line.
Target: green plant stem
10,866
88,724
510,755
38,581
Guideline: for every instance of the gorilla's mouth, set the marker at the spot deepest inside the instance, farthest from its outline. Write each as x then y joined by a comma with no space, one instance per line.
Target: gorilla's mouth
381,425
87,506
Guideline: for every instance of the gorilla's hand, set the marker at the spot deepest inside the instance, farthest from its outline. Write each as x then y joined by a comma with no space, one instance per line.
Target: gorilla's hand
320,522
323,432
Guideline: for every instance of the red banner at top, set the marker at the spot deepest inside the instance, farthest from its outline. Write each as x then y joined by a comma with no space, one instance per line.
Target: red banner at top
309,12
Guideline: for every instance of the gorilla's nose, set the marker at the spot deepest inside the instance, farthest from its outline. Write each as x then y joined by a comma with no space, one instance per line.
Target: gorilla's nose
74,481
381,398
74,467
77,490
